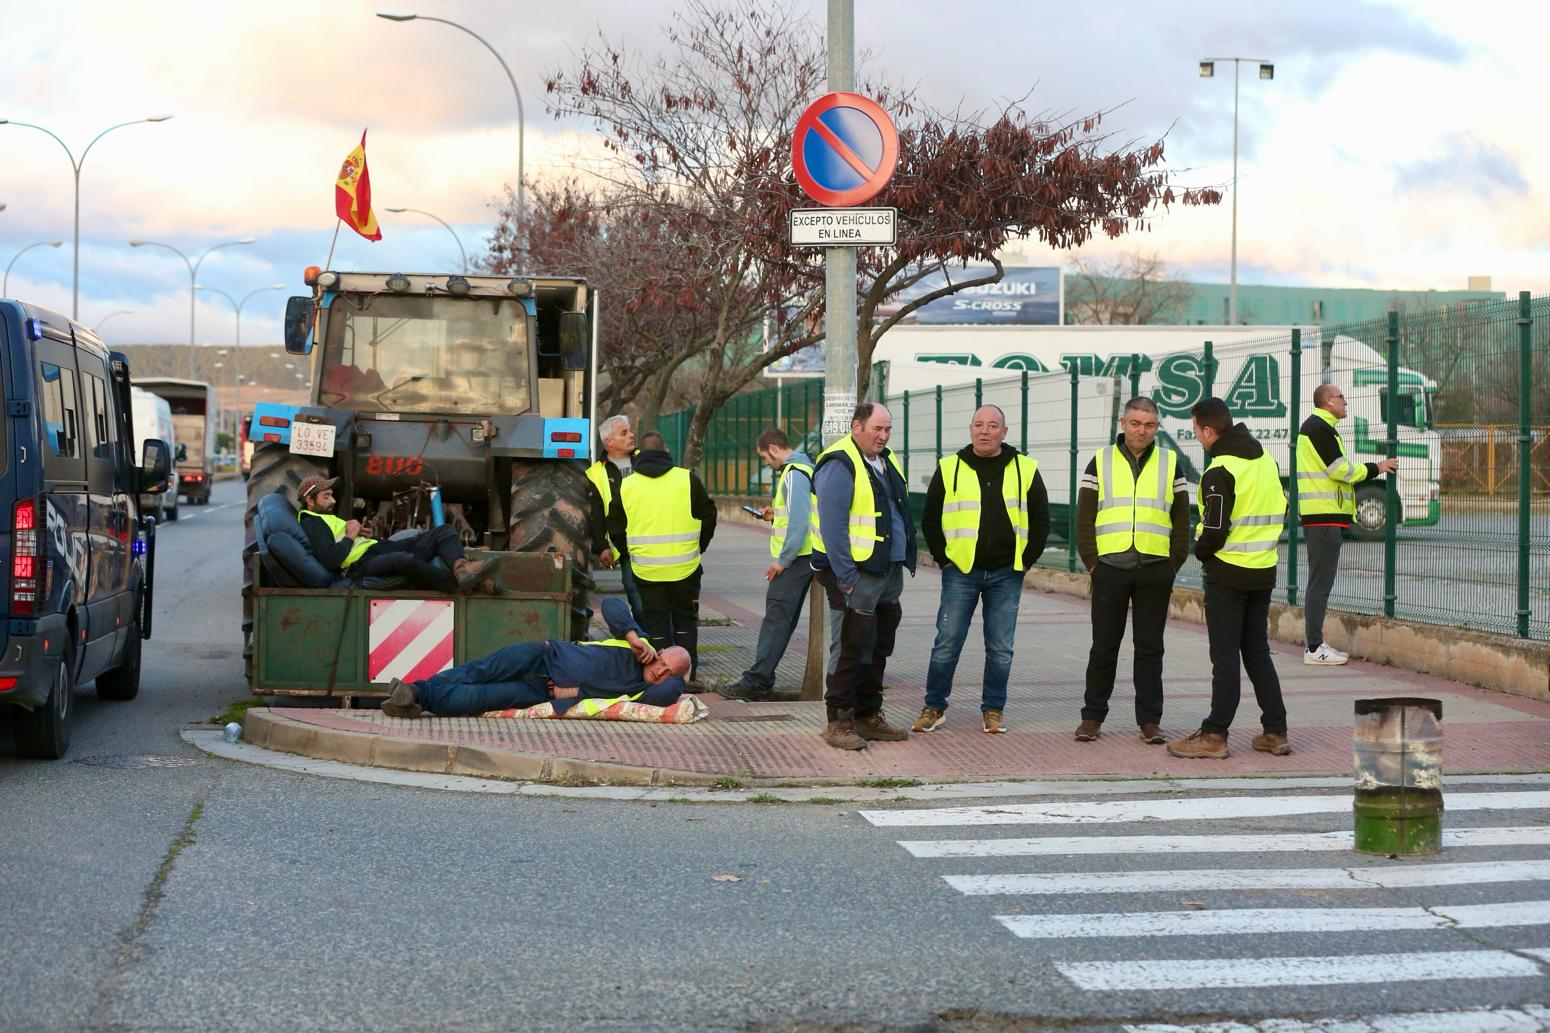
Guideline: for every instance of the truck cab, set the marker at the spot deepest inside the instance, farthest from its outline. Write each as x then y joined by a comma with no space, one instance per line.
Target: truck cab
77,587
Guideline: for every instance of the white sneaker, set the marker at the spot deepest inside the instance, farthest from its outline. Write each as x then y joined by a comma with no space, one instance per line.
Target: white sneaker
1325,656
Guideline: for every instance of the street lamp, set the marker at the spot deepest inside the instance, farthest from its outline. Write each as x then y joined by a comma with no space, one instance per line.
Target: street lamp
450,230
5,283
193,280
103,321
521,125
237,306
75,165
1208,71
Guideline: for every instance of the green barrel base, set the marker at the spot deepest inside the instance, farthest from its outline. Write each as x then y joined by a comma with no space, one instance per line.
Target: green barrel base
1388,824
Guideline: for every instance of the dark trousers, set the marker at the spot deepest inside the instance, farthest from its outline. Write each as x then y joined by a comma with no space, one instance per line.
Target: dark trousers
868,626
1116,593
1238,623
1323,560
413,558
670,614
631,590
782,609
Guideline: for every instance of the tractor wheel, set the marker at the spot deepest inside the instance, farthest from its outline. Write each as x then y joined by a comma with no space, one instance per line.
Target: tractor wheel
275,468
551,508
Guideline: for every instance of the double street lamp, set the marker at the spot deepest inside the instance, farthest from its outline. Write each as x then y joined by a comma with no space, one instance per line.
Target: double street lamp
521,125
193,280
238,306
1208,71
75,165
421,211
103,321
5,283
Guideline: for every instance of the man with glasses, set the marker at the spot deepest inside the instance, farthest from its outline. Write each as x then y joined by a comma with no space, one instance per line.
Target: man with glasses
1326,502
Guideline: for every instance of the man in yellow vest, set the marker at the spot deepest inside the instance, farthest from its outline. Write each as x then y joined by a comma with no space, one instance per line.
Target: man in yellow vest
665,520
1242,514
790,573
865,541
1132,534
619,452
985,523
1326,502
340,547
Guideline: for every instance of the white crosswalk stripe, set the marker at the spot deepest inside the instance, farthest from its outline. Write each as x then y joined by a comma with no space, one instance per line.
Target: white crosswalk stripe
1357,895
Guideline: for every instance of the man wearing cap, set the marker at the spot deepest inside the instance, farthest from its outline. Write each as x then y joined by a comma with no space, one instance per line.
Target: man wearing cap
339,546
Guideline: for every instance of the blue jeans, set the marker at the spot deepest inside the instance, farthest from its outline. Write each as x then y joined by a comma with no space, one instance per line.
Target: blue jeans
1002,590
512,676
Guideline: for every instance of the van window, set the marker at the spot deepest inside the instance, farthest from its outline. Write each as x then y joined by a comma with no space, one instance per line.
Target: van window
100,463
101,439
61,424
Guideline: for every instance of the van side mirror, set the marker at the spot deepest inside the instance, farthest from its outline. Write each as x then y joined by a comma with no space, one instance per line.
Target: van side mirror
155,467
575,341
298,325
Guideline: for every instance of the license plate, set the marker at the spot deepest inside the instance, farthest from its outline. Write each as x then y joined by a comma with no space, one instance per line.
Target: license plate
312,439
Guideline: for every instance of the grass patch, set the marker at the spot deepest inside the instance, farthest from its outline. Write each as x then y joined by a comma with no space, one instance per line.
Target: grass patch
764,798
719,649
824,799
236,711
888,783
728,782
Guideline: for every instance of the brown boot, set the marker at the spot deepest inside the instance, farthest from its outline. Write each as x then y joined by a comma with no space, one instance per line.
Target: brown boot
1271,743
841,732
469,572
1087,731
876,728
1152,735
401,703
1202,745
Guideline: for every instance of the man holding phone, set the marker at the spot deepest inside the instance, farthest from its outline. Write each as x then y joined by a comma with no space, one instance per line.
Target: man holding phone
790,573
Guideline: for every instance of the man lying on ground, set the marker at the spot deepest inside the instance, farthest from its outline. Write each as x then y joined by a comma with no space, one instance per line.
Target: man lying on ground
527,673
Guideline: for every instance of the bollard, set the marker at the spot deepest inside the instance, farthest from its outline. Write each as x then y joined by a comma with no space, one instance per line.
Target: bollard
1398,767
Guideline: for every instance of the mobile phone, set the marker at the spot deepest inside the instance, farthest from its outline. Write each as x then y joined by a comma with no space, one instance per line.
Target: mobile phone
756,512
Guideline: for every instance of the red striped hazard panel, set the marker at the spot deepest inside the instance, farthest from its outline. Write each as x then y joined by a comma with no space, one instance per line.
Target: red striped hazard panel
409,638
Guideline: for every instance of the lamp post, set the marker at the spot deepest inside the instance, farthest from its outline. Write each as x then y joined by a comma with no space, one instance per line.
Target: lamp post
521,126
237,307
1208,71
103,321
421,211
193,280
75,166
5,283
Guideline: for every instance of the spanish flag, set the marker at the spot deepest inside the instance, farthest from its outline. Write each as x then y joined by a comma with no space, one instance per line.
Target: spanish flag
352,194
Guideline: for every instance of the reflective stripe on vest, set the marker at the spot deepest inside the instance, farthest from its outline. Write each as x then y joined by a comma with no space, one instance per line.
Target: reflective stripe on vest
961,506
782,508
1135,510
337,528
598,475
1326,489
1258,511
592,707
661,530
863,505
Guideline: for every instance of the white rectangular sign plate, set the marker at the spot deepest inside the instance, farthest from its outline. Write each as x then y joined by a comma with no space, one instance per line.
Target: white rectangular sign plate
844,227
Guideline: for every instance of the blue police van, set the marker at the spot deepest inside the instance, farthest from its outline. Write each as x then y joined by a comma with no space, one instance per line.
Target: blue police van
80,556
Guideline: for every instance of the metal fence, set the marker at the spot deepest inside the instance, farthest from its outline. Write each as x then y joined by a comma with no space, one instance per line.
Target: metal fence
1461,396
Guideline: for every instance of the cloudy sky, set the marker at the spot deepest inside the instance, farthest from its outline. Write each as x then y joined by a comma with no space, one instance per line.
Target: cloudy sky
1400,145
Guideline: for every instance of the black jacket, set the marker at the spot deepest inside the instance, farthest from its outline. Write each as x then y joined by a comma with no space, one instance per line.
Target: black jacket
994,547
1087,510
655,463
1317,430
598,522
1218,493
328,552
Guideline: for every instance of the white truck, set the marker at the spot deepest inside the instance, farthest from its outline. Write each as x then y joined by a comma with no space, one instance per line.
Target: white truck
193,415
1252,373
153,419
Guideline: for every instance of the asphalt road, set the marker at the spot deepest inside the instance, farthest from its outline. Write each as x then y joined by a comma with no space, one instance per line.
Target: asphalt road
154,888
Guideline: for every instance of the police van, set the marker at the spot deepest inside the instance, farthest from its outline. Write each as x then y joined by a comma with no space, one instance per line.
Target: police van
77,587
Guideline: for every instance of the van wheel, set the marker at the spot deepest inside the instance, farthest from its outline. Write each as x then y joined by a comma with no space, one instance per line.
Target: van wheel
123,682
550,510
44,733
170,511
1372,513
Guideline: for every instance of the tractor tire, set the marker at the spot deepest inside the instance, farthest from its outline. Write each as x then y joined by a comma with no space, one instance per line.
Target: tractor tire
551,508
275,468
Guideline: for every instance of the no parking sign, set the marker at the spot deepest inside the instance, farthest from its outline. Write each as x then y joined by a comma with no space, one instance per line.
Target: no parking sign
844,149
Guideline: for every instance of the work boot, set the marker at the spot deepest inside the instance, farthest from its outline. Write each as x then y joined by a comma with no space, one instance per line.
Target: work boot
401,702
1272,743
876,728
930,720
746,691
1152,735
1202,745
1087,731
992,721
841,732
469,572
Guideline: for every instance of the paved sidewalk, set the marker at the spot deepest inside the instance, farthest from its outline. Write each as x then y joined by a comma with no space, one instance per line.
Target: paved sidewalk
778,742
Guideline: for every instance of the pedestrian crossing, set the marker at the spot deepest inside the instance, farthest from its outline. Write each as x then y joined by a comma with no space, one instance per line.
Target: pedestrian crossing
1371,921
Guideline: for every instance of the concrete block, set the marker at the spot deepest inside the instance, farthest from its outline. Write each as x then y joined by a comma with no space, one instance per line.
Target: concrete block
410,755
481,762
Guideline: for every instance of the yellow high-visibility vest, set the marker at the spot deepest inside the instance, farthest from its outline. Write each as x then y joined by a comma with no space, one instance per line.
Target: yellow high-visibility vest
1134,510
1326,488
337,528
1258,511
662,532
598,475
863,504
961,506
782,508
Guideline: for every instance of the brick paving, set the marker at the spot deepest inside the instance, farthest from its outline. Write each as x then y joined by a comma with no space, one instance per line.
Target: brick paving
1484,731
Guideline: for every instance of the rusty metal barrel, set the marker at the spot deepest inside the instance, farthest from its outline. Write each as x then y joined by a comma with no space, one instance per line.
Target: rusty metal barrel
1397,746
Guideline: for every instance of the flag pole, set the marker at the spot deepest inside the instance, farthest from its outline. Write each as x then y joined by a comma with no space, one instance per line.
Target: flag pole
329,260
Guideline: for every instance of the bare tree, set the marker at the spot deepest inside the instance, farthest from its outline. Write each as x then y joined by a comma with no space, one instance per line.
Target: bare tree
1132,289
